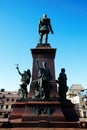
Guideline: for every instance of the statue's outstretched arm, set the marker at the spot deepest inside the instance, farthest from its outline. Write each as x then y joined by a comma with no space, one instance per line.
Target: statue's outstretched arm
37,64
18,70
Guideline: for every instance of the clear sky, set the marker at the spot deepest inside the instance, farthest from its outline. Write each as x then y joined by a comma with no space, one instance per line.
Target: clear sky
19,33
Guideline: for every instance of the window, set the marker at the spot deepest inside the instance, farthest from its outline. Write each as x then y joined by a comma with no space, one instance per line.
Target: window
6,106
7,99
0,113
12,106
1,106
12,99
84,113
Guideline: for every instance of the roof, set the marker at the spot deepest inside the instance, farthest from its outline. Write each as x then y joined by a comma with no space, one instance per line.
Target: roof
78,87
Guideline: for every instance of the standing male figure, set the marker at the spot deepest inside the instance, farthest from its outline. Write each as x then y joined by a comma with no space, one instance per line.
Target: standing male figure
42,83
62,81
44,28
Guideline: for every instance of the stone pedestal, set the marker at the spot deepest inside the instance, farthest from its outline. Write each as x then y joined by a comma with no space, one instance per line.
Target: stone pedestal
50,114
43,52
43,110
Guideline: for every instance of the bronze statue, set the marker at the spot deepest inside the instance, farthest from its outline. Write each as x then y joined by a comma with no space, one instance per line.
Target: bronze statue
42,86
25,80
62,81
44,28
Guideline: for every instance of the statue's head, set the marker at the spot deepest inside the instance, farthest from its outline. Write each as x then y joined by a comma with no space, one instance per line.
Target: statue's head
63,70
44,16
28,71
24,72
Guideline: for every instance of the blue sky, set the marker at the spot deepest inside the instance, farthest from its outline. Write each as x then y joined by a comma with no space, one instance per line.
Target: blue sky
19,33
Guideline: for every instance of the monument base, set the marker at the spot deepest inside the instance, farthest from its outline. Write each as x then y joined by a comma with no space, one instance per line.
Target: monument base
44,114
50,113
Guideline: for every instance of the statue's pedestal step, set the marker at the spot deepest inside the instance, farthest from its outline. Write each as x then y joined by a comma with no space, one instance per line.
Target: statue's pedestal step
44,114
17,123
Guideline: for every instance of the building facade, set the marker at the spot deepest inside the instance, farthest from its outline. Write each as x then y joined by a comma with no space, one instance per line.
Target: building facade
7,99
78,96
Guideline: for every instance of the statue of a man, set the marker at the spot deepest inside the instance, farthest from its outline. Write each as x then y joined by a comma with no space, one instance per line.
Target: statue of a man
44,28
62,81
42,83
25,80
